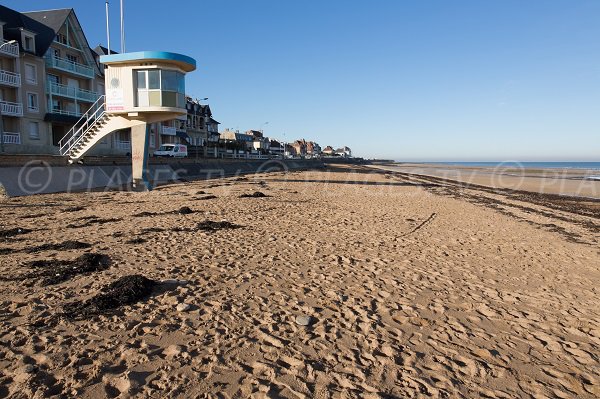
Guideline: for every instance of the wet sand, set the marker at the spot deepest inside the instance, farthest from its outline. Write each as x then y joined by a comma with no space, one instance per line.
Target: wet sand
411,287
569,182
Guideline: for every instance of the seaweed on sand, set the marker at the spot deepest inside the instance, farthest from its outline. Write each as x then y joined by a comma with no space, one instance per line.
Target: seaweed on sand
63,246
9,233
124,291
57,271
256,194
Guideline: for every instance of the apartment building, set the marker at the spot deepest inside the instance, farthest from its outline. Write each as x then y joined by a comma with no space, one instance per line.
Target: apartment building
73,79
22,106
49,78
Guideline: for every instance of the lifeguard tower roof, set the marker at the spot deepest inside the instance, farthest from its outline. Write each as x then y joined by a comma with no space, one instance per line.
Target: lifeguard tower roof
186,63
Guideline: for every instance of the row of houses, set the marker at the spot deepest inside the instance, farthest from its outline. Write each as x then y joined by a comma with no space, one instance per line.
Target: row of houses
254,141
50,77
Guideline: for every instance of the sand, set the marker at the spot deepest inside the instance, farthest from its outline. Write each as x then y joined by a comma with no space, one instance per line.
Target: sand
339,283
568,182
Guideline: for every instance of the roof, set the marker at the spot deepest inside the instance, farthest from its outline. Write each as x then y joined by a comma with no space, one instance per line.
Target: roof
15,20
101,50
214,121
186,63
54,19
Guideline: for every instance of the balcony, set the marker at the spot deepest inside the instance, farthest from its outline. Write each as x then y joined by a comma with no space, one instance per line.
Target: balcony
65,112
69,66
57,89
12,138
9,49
10,78
11,109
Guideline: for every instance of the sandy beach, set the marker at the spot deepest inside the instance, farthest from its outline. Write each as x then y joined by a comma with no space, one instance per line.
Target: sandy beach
338,283
567,182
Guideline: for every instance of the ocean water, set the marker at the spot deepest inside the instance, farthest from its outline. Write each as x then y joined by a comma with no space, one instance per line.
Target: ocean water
525,165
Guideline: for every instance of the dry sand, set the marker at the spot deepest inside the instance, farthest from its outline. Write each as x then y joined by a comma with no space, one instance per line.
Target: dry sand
568,182
414,289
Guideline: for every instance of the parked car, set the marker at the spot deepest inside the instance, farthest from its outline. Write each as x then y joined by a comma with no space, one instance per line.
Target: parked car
172,150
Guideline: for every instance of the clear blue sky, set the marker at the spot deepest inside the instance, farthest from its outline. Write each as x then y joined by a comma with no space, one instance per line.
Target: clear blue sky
409,80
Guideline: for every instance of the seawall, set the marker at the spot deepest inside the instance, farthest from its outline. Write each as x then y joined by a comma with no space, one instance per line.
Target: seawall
44,177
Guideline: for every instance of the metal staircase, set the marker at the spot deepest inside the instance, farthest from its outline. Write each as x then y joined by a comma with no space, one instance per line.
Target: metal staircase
88,130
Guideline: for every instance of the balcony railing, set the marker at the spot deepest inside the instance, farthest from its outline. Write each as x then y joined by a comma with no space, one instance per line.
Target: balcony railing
65,112
10,49
58,89
11,109
69,66
123,145
10,78
12,138
168,130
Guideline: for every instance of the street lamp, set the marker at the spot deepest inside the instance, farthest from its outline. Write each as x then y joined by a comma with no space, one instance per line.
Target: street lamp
260,127
1,119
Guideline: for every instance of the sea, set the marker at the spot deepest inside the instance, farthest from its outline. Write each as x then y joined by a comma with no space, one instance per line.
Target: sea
526,165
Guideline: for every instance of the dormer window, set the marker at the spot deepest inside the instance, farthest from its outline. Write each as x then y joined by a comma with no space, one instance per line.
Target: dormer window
28,41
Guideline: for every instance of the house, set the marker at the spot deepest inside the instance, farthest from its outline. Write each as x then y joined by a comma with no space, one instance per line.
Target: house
344,152
212,127
275,147
195,122
255,133
260,143
299,147
237,140
329,151
61,80
197,129
313,148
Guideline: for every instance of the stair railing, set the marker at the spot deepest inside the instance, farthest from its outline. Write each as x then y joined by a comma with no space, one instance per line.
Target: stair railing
78,130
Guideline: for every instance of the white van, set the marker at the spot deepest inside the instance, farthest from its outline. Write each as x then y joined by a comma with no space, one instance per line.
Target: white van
172,150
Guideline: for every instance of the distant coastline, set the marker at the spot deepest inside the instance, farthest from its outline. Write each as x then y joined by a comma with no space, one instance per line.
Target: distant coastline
515,164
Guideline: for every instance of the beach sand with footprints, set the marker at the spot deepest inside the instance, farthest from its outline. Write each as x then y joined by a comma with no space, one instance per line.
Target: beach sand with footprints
339,283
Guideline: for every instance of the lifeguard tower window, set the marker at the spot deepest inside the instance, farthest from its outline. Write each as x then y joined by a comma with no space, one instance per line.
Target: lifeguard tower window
160,88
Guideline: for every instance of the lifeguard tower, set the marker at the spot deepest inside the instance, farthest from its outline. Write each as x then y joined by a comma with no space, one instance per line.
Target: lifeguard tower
141,88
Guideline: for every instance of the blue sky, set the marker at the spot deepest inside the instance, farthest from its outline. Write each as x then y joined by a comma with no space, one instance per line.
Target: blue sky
408,80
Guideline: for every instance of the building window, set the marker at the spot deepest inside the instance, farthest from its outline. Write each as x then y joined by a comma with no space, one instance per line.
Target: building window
57,53
156,88
61,38
53,79
152,139
32,102
56,105
31,74
28,43
34,130
72,58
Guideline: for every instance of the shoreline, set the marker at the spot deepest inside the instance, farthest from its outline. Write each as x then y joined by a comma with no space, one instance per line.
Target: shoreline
566,182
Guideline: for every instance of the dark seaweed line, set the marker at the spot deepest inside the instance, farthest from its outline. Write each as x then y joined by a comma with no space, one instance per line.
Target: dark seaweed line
497,205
